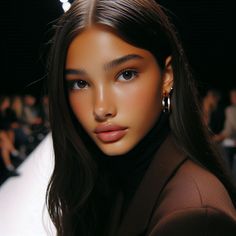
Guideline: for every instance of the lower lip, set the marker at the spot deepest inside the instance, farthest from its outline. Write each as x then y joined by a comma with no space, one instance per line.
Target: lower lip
111,136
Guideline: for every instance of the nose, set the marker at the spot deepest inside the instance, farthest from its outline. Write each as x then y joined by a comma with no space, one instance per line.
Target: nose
104,105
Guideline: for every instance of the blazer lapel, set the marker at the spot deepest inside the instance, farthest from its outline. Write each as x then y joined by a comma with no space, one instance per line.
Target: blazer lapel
166,161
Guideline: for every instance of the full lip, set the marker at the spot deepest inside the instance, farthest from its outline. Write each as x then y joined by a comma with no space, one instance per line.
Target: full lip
108,128
110,132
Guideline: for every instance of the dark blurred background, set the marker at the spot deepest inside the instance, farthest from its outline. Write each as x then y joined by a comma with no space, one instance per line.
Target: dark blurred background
206,27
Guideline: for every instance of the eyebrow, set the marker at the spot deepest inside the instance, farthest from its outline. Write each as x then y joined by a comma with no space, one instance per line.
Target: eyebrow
108,66
121,60
74,72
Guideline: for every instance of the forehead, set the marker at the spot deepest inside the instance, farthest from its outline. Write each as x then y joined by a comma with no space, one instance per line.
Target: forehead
100,42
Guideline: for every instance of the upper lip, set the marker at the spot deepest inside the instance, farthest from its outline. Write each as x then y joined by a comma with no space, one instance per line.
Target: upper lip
107,128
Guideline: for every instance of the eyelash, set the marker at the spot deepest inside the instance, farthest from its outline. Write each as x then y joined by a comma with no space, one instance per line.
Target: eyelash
73,83
133,71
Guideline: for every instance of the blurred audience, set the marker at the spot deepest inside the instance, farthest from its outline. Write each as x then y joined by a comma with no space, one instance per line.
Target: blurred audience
213,111
20,128
31,114
228,135
7,135
23,125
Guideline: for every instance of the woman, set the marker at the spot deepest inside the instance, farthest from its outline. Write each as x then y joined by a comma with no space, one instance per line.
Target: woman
132,156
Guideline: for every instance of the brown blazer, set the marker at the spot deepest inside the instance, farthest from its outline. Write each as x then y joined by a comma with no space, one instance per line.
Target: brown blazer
176,197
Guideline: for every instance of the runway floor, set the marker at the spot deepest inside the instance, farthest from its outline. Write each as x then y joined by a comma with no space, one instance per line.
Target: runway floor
22,199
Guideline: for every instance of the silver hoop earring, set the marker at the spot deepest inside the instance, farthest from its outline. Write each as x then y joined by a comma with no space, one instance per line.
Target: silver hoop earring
166,103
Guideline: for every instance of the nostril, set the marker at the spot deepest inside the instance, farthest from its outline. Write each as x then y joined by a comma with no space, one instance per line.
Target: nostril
102,115
108,114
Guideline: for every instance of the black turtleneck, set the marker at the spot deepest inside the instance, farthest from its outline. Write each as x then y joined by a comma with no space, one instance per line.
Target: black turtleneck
124,172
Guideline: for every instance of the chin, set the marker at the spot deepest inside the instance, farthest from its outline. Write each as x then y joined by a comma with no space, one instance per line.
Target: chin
114,149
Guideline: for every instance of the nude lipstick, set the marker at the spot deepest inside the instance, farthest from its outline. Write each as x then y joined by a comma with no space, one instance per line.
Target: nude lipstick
110,133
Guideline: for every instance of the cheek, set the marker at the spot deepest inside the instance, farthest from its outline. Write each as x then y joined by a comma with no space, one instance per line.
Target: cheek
143,101
80,108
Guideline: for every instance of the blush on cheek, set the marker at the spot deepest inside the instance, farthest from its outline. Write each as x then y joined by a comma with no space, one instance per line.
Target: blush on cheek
145,99
78,110
80,104
81,115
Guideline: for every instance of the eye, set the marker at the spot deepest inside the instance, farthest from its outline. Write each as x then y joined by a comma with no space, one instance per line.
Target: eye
77,84
127,75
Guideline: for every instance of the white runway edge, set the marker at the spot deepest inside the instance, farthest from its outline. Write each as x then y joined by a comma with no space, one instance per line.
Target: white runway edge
22,199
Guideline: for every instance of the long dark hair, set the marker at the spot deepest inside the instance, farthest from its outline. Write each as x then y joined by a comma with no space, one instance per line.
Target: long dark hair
73,190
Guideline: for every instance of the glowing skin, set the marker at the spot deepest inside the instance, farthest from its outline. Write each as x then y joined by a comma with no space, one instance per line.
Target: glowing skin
116,87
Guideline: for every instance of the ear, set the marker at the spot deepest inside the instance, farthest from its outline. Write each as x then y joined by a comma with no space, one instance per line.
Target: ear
167,76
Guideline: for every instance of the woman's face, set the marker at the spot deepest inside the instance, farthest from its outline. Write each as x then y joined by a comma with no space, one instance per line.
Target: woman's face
115,89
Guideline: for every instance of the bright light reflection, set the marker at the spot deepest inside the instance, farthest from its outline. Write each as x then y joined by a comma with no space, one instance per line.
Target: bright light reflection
66,6
63,1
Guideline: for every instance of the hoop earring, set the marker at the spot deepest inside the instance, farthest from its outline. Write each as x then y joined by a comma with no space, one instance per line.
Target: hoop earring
166,103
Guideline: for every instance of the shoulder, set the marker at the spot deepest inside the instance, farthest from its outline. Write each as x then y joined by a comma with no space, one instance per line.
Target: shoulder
195,222
193,199
194,186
